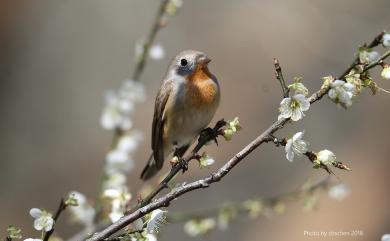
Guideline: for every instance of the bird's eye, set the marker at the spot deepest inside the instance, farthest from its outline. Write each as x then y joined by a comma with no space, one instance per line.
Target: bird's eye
183,62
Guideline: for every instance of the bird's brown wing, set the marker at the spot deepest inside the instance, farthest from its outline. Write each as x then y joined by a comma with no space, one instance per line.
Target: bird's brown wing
159,119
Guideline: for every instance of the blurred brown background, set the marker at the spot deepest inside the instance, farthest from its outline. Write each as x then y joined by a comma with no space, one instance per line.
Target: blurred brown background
58,57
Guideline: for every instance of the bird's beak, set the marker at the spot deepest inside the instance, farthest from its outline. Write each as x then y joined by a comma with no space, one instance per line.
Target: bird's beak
205,60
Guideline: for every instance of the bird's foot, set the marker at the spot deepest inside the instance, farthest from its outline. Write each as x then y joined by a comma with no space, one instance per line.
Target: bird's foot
211,134
183,164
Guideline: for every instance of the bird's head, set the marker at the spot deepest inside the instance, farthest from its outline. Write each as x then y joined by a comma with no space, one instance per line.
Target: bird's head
189,62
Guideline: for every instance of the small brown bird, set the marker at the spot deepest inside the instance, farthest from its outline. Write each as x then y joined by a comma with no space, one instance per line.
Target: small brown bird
184,106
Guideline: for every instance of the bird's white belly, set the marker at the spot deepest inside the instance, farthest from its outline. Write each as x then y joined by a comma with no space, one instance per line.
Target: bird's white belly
188,124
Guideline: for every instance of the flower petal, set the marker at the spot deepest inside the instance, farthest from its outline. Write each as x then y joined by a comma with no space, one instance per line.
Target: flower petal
290,155
38,224
298,136
296,114
35,212
49,224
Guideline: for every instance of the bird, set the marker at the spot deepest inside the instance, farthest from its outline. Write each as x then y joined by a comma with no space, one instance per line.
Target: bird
185,104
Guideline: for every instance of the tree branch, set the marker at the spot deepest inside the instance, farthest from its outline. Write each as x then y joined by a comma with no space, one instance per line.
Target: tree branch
165,200
279,76
157,25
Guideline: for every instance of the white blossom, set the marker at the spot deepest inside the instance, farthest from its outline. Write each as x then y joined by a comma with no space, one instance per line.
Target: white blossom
341,92
118,161
157,219
43,220
367,56
386,40
338,192
293,107
119,200
386,72
385,237
120,104
205,161
129,142
173,6
116,212
83,213
373,56
326,157
114,181
199,227
32,239
132,91
151,237
296,145
157,52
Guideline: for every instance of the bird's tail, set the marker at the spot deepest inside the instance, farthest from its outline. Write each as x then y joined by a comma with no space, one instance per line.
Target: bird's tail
150,170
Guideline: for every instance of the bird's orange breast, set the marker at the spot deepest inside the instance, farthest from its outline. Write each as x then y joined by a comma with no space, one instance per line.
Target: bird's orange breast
201,91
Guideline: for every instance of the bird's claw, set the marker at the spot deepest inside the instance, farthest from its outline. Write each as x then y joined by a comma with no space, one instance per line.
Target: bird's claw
183,165
212,133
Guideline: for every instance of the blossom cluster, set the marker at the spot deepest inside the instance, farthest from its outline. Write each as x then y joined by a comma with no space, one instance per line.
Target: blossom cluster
119,160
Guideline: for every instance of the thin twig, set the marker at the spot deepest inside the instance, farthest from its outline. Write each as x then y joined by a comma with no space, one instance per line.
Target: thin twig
157,25
60,209
165,200
279,76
